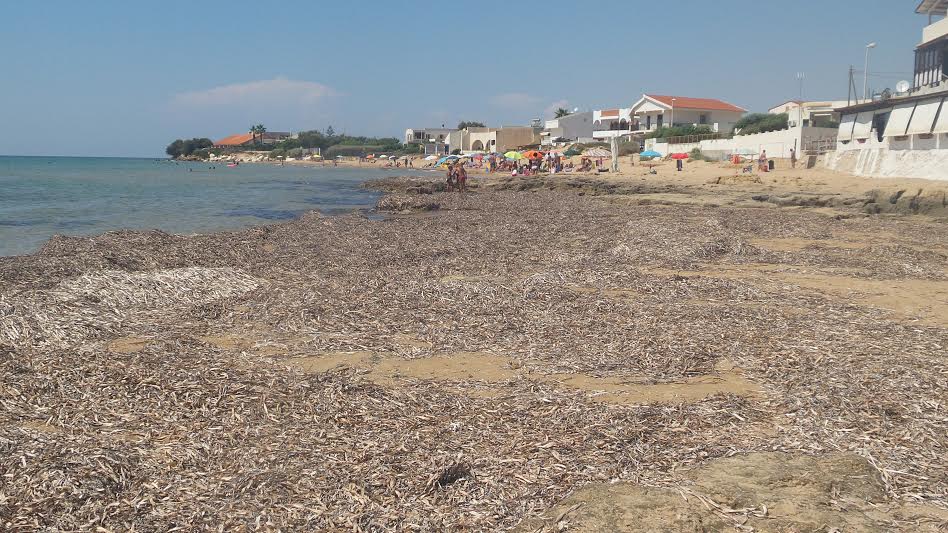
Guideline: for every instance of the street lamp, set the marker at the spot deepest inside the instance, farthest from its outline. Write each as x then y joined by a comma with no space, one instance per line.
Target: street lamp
865,80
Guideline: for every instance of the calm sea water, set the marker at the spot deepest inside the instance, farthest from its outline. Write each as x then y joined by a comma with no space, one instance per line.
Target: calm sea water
44,196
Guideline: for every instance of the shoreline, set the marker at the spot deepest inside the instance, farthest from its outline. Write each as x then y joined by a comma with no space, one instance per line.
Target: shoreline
496,362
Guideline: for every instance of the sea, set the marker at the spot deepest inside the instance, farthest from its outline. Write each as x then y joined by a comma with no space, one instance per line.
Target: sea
45,196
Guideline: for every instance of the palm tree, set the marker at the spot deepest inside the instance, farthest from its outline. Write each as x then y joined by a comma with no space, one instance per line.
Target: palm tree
560,112
257,129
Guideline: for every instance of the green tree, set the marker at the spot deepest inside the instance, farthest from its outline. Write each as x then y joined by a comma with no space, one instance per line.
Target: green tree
187,147
561,112
175,149
470,124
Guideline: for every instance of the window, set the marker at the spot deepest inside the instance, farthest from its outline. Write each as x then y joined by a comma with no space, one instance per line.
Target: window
702,119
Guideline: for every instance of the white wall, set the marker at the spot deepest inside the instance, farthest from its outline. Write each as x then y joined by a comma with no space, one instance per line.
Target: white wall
913,157
571,126
777,143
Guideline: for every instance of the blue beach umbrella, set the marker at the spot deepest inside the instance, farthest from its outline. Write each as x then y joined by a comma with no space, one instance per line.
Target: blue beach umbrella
650,153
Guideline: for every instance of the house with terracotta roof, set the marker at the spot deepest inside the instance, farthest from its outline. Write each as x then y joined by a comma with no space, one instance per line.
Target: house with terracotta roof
249,139
241,139
654,111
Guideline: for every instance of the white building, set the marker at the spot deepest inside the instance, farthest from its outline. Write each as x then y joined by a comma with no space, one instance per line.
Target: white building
572,127
434,140
654,111
483,139
810,113
608,123
905,135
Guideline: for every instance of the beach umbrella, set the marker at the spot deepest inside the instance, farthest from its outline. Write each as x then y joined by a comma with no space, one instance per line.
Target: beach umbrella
650,153
513,154
533,154
597,152
431,158
680,156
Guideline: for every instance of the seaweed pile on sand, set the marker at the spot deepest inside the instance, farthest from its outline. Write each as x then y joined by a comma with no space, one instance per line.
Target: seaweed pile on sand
469,368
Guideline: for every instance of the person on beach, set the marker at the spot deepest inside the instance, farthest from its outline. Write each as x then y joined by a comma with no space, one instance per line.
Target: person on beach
460,176
451,176
762,161
793,158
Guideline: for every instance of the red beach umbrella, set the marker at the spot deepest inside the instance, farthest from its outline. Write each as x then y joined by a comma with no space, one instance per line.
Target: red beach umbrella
680,156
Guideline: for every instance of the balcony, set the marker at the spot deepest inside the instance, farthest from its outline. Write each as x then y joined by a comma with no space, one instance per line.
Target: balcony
934,31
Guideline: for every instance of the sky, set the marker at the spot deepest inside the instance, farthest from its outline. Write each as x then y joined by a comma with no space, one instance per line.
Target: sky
125,78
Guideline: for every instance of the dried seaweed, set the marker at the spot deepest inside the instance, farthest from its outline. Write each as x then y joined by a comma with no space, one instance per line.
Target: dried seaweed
192,433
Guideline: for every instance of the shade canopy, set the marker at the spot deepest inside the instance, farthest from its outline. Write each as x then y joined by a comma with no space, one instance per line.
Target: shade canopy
597,152
941,123
680,156
650,153
863,127
924,117
533,154
513,155
846,124
431,158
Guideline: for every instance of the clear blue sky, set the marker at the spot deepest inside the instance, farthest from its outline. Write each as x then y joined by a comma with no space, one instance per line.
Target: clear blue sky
124,78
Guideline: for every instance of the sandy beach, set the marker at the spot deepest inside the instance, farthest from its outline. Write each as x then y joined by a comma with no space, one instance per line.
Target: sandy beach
693,351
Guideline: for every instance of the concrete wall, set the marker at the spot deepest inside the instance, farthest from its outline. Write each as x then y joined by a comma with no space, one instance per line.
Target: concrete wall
911,157
512,138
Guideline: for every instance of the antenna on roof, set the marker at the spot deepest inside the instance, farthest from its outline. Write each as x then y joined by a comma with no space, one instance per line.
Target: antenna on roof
800,77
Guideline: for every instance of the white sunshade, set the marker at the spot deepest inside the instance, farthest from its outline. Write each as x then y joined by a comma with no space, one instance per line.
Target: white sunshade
899,119
924,117
846,127
863,126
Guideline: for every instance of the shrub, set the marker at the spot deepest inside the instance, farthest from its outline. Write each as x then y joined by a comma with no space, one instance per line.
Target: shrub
761,123
678,131
696,155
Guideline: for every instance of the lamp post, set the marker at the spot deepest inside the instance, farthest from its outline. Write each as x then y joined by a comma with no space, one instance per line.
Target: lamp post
865,74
